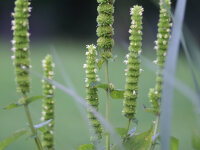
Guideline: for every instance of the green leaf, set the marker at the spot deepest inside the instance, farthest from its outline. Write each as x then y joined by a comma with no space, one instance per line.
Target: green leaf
86,147
99,85
34,98
12,138
12,106
100,63
195,141
117,94
140,141
23,101
174,143
121,131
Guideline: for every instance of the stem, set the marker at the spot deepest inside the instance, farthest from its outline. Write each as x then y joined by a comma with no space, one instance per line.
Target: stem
37,141
153,143
107,104
128,125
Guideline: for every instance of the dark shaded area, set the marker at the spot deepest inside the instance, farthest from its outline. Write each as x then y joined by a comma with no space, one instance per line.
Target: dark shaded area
77,19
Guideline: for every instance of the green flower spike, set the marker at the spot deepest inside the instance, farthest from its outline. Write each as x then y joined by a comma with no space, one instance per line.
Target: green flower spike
133,63
105,30
163,36
20,42
48,104
92,97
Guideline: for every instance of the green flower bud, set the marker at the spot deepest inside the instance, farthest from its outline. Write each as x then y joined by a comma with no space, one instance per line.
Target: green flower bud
20,42
92,97
133,63
161,44
105,21
48,104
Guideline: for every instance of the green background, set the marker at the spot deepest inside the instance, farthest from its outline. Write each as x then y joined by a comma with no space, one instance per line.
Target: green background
71,129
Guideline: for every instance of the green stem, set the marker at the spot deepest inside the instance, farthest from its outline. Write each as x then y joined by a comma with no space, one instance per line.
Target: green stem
37,141
107,104
128,125
153,143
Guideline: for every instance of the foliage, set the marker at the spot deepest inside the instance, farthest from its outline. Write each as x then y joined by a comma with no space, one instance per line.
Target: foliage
128,139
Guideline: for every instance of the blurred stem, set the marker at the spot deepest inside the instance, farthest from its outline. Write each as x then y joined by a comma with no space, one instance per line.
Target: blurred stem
37,141
153,143
128,125
107,104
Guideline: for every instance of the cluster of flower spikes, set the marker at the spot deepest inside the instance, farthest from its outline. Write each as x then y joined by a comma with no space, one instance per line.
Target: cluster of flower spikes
133,63
92,97
20,42
105,30
164,26
48,104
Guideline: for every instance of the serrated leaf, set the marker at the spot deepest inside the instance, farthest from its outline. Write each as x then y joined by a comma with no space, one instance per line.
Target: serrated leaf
86,147
12,106
12,138
37,126
117,94
174,143
121,131
100,63
34,98
140,141
195,141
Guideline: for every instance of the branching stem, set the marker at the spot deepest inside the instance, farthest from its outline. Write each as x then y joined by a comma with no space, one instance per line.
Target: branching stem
37,141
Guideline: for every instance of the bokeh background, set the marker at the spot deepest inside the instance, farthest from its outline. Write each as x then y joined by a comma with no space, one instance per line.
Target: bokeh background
63,28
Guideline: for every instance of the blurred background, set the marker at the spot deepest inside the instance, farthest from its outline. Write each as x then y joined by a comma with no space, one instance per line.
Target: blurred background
63,28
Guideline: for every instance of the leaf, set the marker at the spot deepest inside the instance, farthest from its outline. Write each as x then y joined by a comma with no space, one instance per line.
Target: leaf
23,101
195,141
34,98
100,63
99,85
86,147
174,143
12,138
37,126
121,131
12,105
140,141
117,94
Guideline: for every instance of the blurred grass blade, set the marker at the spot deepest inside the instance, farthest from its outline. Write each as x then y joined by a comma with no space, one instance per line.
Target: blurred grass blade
83,102
178,84
193,48
170,67
62,69
195,81
12,138
69,84
37,126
